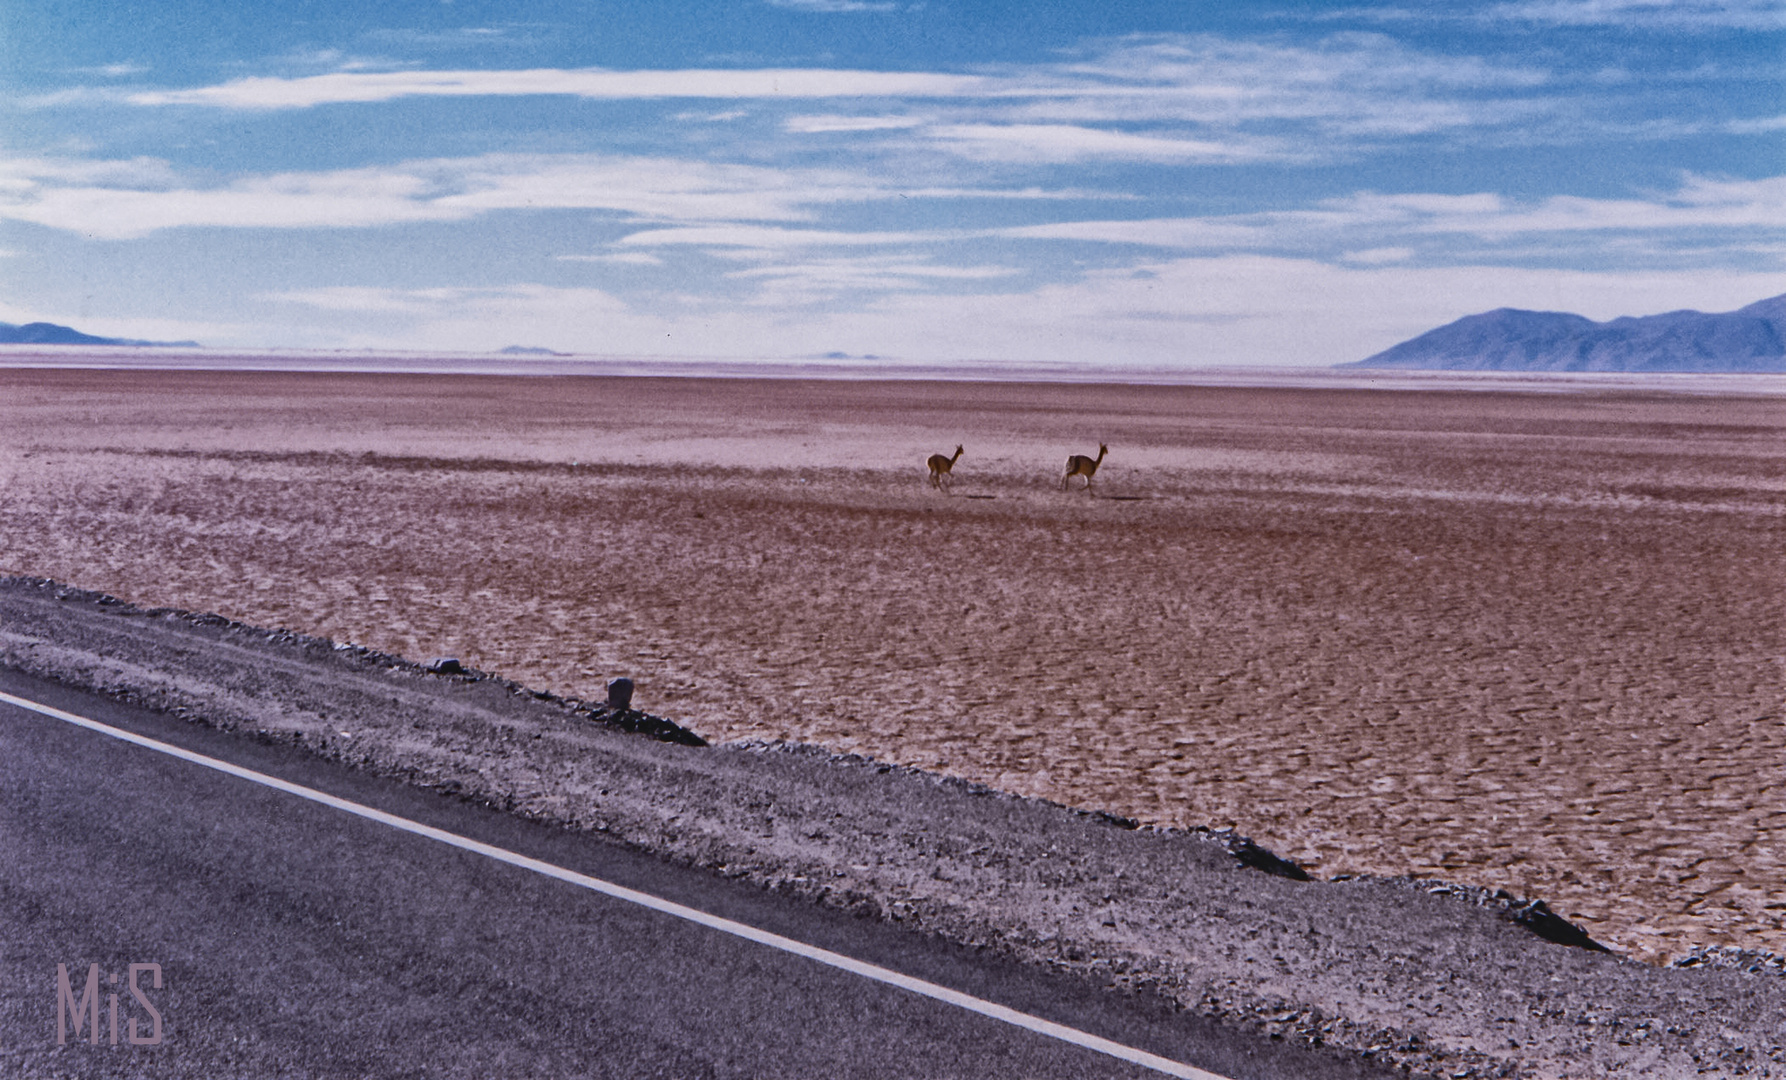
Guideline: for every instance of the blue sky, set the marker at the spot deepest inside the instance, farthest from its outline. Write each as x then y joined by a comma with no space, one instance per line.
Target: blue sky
1174,184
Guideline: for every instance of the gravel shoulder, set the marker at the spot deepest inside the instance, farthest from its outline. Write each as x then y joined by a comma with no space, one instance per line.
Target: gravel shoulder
1441,980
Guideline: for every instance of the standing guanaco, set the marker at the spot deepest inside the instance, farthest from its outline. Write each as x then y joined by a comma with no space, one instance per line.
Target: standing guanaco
942,468
1080,465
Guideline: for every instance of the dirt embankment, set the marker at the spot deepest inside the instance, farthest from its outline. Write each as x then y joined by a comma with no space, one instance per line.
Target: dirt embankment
1404,974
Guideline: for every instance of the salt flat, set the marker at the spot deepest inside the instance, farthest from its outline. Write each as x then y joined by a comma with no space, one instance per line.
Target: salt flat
1507,638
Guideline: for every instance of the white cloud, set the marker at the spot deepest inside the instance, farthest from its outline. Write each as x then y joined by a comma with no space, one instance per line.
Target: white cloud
126,199
349,198
723,117
1349,84
1069,143
789,271
1378,256
752,212
787,285
23,174
1193,233
767,83
1700,203
114,200
1757,207
1664,14
670,189
1757,126
808,125
364,298
77,95
1346,84
1157,99
767,238
115,71
1228,67
860,269
625,258
1631,14
460,38
1046,194
494,301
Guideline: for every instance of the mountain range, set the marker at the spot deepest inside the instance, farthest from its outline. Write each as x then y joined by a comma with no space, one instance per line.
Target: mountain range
1750,339
43,333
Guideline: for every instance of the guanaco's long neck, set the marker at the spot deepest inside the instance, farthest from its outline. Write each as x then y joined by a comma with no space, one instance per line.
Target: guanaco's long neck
1102,450
957,456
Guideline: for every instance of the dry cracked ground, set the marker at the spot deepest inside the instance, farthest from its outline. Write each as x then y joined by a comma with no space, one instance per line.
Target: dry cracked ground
1524,640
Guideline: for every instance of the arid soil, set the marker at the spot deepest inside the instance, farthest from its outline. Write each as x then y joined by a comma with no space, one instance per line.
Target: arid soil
1532,641
1398,976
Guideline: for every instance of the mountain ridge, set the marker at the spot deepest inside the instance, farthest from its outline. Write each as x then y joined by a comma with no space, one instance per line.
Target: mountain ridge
45,333
1749,339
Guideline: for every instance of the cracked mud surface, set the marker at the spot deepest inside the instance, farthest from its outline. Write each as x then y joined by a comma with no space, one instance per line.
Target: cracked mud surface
1399,972
1521,641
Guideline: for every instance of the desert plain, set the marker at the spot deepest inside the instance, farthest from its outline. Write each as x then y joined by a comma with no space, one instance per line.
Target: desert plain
1522,638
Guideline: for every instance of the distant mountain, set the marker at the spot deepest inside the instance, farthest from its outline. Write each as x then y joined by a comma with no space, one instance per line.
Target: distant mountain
527,350
1750,339
43,333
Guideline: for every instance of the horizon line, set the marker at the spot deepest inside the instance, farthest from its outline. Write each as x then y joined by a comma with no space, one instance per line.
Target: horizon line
369,361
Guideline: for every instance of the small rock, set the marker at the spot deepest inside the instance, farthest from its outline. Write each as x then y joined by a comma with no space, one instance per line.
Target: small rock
620,694
446,665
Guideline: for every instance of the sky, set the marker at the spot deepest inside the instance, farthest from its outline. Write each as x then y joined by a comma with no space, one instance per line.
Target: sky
1178,184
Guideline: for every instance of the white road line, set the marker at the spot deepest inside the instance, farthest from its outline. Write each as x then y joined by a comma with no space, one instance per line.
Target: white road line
632,896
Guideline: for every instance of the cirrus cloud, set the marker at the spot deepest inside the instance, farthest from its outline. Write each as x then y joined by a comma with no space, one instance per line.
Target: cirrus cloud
361,87
1663,14
110,200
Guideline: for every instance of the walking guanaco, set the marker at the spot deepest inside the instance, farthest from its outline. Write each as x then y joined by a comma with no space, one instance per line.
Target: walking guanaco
1080,465
942,469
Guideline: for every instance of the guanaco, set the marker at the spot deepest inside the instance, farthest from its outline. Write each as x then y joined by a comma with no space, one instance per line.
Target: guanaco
1080,465
942,468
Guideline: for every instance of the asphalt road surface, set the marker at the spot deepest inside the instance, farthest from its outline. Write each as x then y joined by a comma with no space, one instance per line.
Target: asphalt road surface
297,938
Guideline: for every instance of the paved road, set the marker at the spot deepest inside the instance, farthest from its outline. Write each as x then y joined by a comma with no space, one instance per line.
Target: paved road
296,939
